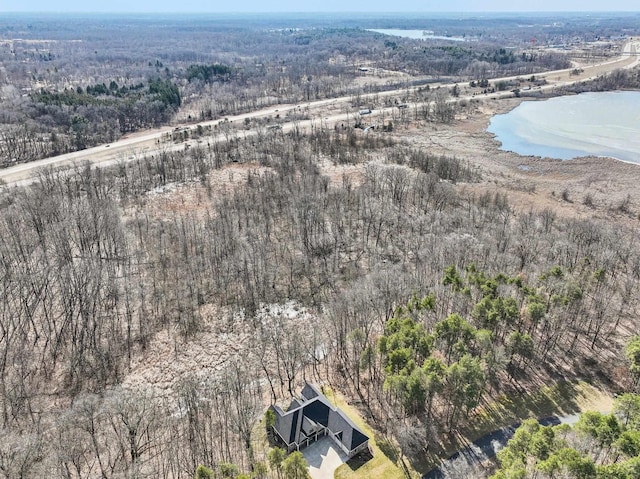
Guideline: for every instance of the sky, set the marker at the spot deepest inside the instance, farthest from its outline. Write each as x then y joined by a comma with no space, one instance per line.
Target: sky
243,6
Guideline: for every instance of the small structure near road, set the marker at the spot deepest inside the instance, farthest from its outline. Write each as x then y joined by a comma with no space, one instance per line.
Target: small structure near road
312,417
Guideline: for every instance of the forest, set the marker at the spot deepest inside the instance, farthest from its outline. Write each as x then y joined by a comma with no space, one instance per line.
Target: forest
152,309
62,91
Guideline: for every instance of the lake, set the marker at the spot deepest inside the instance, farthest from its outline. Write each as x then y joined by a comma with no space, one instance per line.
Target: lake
415,34
598,124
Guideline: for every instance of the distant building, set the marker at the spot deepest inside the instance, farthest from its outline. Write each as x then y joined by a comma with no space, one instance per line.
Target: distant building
312,417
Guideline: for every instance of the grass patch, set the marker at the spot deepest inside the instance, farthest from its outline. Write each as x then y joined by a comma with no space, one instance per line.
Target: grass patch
260,441
379,465
560,399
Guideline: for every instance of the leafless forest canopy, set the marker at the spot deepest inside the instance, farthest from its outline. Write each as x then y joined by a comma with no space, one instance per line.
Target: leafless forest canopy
357,260
67,84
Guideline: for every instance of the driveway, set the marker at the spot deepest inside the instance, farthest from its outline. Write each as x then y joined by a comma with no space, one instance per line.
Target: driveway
324,458
468,459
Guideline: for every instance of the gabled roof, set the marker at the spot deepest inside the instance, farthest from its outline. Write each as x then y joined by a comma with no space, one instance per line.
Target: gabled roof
309,391
294,405
352,436
311,414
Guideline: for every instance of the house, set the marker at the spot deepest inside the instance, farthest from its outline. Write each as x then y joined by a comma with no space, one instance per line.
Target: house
312,417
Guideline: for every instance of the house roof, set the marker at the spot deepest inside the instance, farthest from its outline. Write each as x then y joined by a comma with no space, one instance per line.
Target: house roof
309,391
312,412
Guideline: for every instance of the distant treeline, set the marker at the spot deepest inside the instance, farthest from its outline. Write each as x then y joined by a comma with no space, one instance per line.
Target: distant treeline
208,73
157,89
74,119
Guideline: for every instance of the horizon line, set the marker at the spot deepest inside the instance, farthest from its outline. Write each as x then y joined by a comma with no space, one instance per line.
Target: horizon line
293,12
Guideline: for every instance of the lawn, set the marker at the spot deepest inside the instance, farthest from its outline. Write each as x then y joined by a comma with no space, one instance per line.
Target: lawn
559,399
259,441
563,398
382,465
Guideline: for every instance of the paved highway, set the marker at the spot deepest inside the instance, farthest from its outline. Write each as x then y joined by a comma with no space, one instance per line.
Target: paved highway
123,149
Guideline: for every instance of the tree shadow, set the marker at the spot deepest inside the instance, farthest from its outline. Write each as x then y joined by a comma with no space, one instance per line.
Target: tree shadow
389,449
273,440
430,456
517,404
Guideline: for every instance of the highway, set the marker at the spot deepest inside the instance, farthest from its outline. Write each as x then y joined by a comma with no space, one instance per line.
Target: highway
130,147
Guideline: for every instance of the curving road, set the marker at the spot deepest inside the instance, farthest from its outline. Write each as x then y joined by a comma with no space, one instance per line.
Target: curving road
125,149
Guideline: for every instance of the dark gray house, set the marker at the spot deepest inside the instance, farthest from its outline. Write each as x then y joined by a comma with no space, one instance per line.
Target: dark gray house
311,417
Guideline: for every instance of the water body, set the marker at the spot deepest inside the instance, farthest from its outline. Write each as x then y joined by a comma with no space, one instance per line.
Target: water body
598,124
415,34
